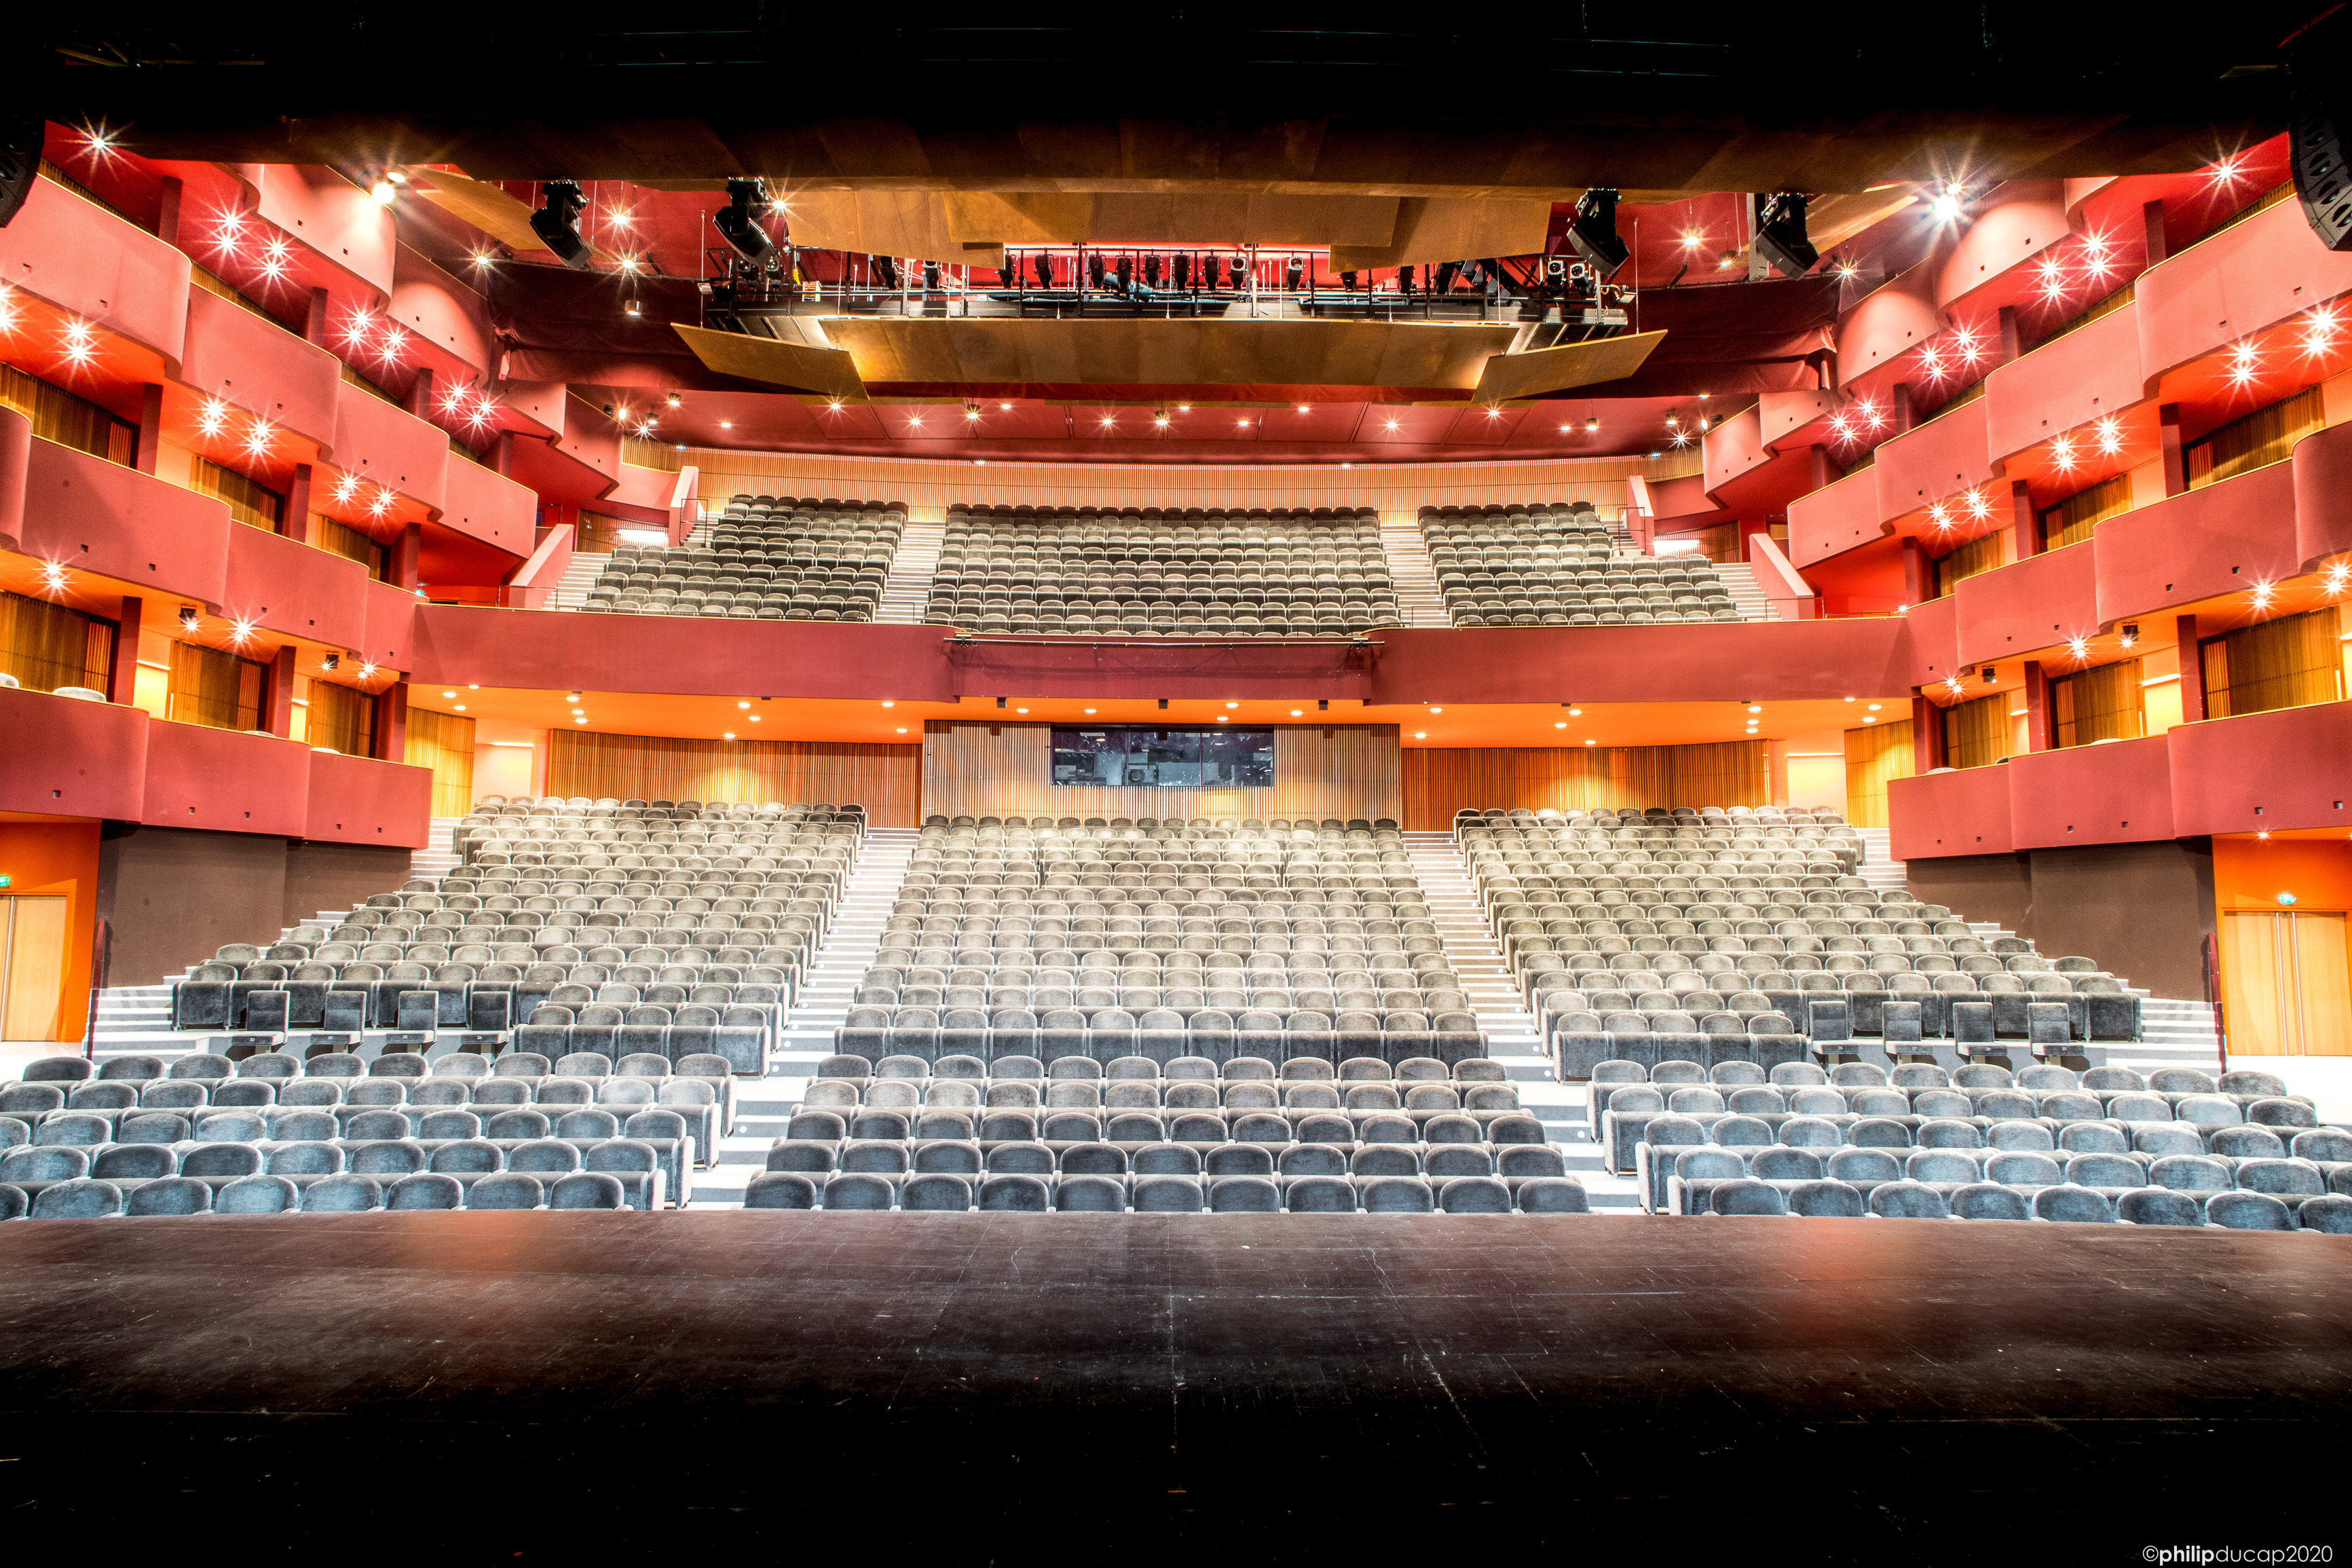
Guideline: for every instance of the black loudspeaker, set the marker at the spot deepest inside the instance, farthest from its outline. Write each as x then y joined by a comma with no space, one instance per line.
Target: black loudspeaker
1180,270
20,164
1124,273
2319,137
738,221
1095,270
1780,235
1044,270
557,223
1347,280
1151,270
885,270
1593,230
931,276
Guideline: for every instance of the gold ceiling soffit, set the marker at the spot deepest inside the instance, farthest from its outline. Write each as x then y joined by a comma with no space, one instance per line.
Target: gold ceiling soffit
1181,352
800,359
485,206
1565,367
1450,229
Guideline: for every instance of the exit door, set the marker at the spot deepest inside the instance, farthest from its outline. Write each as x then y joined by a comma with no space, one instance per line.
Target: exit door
32,967
2289,987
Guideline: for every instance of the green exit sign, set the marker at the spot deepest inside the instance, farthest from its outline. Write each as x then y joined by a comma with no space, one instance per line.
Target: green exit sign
4,882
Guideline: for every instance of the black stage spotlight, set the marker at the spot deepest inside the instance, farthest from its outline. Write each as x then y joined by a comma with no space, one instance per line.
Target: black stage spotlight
1348,281
1180,270
931,276
1446,273
1294,274
885,269
1593,230
1237,268
1404,280
738,221
557,223
1124,273
1044,269
1151,270
1780,235
20,160
1095,269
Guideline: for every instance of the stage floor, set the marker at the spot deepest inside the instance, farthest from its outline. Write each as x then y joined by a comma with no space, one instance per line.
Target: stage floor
1026,1387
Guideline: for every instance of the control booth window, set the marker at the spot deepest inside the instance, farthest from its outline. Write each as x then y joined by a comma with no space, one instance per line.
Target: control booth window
1112,757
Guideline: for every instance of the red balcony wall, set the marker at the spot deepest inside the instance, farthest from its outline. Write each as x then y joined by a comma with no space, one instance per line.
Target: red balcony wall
2322,495
1890,322
2026,216
431,304
358,800
326,212
1834,518
16,463
104,518
2263,771
261,367
2092,372
1723,662
290,587
2191,546
390,635
483,504
225,781
2090,794
1946,455
1931,641
68,758
1960,812
2245,279
80,258
2036,603
1733,448
390,445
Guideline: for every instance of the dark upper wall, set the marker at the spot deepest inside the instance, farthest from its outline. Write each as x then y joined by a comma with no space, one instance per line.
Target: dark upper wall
2143,910
176,895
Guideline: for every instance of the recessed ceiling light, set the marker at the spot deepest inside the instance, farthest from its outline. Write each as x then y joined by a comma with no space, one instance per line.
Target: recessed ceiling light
887,702
1297,712
1561,725
742,705
902,730
1876,706
1421,734
1576,712
728,736
1020,710
1232,704
1588,739
1223,719
1089,710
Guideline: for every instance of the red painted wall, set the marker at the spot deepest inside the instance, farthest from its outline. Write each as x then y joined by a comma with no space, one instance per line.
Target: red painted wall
15,461
2090,794
2036,603
480,503
430,304
68,758
2021,218
329,214
2292,768
1960,812
389,445
2217,540
1835,518
101,517
290,587
357,800
1889,322
1941,458
2245,279
2070,381
259,366
112,274
1931,641
225,781
389,637
2322,495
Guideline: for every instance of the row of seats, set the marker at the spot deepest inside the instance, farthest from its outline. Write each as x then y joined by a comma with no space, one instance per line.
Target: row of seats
343,1193
2329,1213
1025,1193
1161,1034
648,1169
1065,573
1557,566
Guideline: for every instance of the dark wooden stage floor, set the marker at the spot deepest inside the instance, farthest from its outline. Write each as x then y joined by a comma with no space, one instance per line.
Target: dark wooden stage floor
1026,1387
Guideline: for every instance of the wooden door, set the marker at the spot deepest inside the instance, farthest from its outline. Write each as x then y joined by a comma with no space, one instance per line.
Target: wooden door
32,967
2289,984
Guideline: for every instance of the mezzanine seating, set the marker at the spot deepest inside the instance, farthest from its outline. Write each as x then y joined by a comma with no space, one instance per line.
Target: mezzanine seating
1149,572
1552,565
762,558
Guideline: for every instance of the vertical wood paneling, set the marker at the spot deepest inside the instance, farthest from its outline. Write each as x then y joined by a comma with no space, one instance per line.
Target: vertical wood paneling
1873,756
968,772
1440,782
886,779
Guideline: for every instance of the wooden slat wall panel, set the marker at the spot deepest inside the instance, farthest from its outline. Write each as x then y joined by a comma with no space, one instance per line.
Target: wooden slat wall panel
968,772
886,779
1439,781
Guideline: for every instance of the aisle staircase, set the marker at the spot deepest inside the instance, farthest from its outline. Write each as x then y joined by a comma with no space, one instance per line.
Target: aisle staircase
1738,578
1418,603
580,574
1473,953
763,1108
908,587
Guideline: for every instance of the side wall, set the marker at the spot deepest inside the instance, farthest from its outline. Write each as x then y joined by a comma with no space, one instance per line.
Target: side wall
177,895
1439,781
886,779
2143,911
1347,770
49,859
